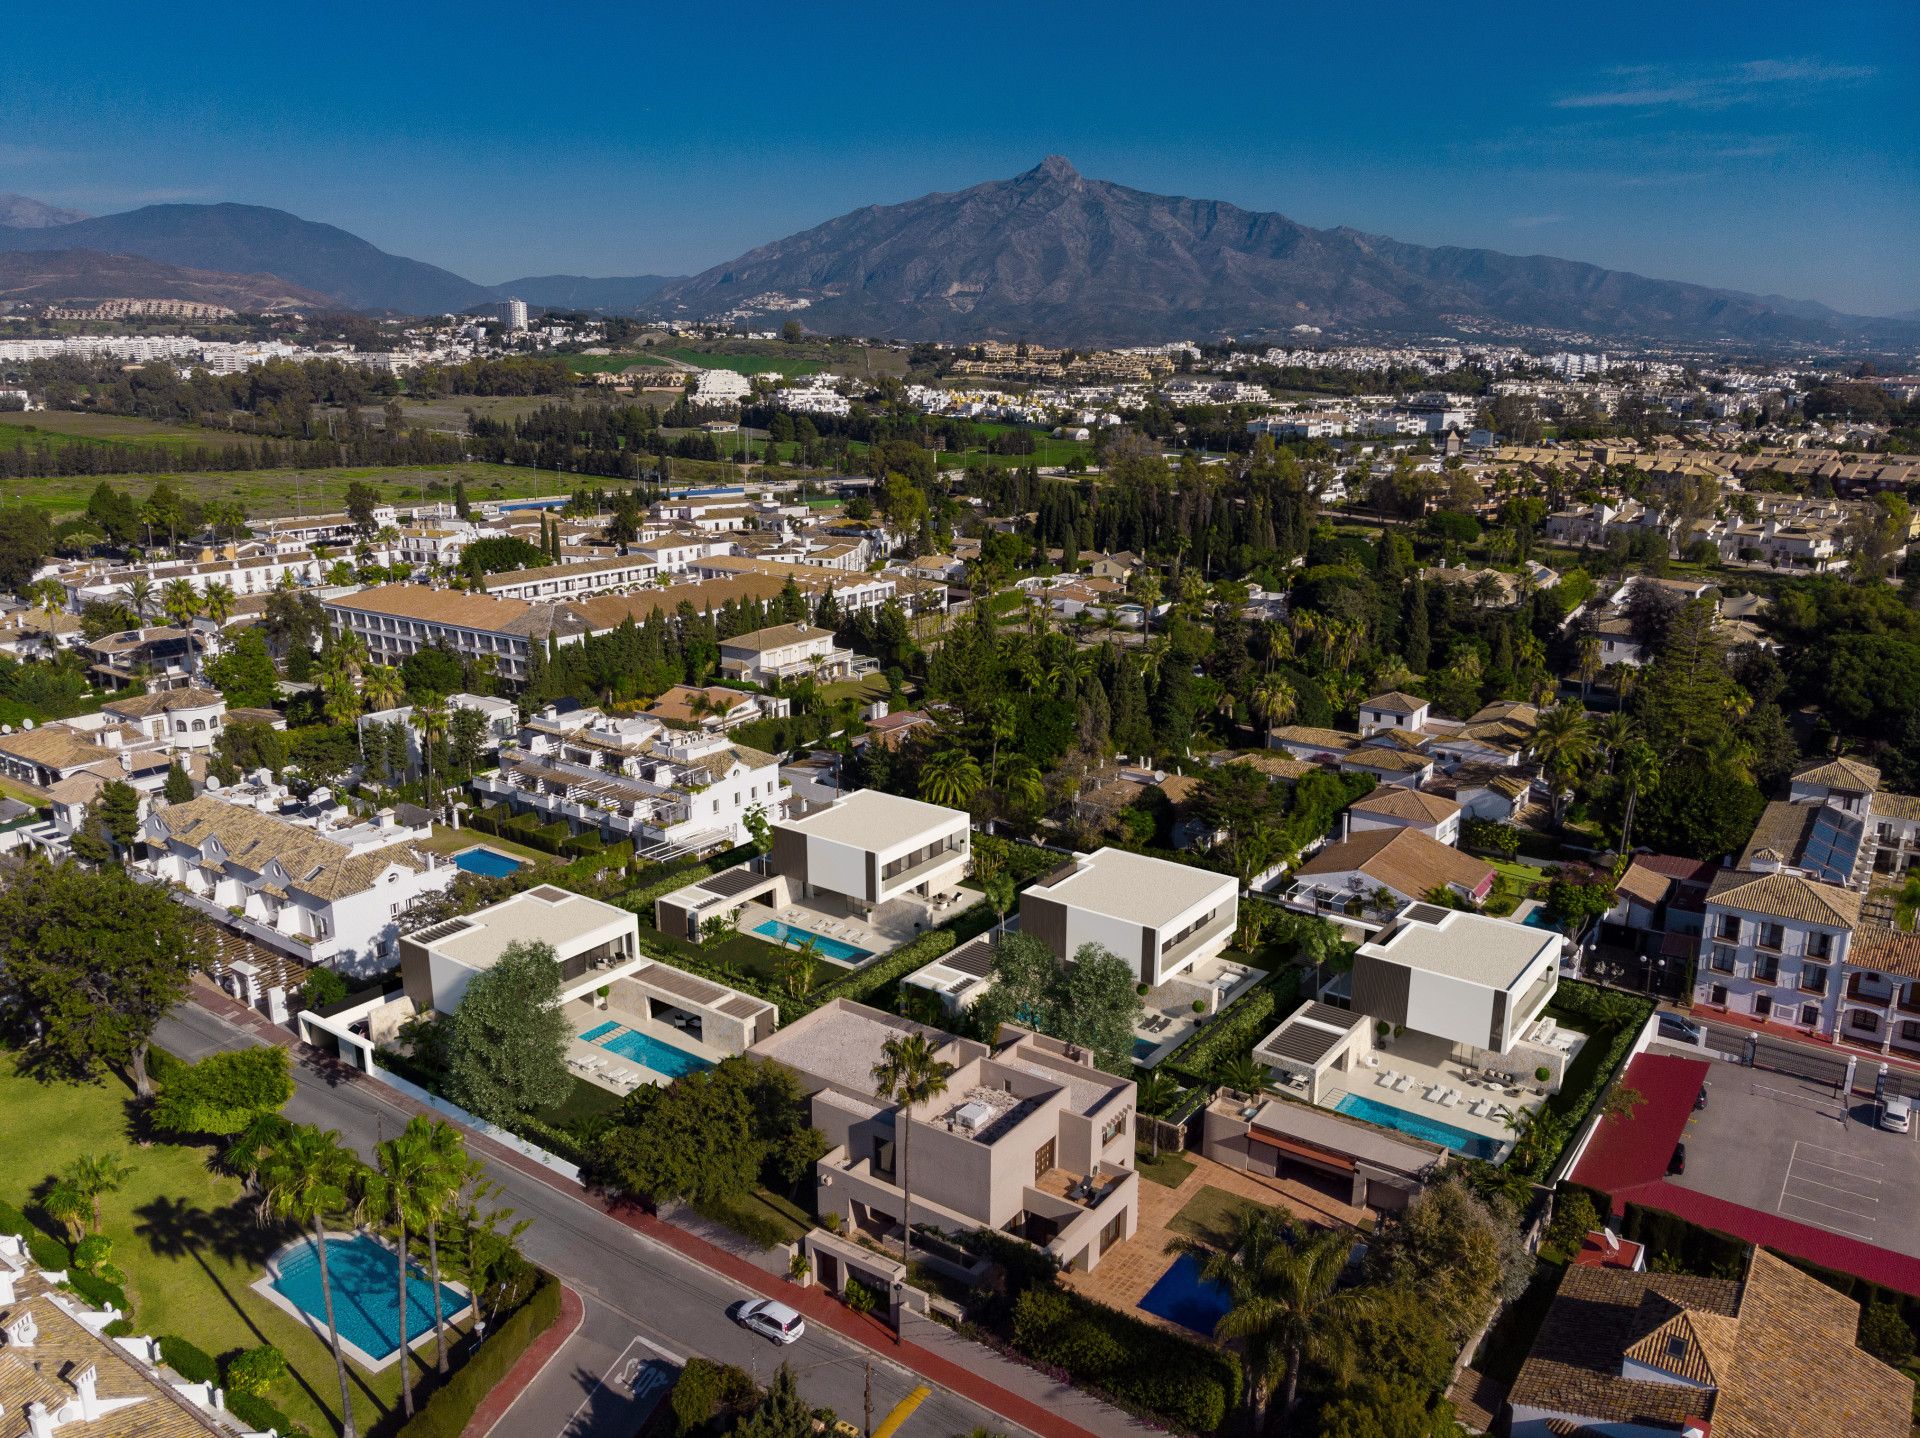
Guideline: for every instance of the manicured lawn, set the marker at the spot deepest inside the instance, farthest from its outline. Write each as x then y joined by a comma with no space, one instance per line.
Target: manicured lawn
1210,1215
271,492
1524,874
610,364
187,1239
1169,1170
588,1100
453,841
869,690
56,425
745,363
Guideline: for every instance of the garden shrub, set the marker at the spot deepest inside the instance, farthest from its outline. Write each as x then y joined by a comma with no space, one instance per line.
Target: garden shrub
1185,1383
260,1415
1203,1059
12,1220
747,1221
119,1328
98,1291
446,1413
191,1363
48,1253
255,1370
858,1297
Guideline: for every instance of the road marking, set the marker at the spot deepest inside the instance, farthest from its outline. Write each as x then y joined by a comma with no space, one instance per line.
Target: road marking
1837,1169
1829,1223
1840,1153
626,1372
1834,1187
902,1411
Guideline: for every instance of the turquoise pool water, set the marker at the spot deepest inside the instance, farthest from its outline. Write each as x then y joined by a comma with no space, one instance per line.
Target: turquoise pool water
1143,1048
1182,1296
1473,1145
783,933
366,1295
488,862
646,1050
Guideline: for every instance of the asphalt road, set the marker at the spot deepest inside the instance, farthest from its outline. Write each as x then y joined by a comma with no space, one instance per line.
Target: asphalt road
645,1304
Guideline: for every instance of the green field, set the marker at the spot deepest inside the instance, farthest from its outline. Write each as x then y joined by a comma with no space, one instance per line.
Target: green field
746,363
184,1233
609,364
266,493
80,427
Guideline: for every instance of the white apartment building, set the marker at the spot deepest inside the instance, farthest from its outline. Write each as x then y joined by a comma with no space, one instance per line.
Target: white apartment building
296,890
1773,946
786,651
721,386
501,716
398,620
575,579
670,791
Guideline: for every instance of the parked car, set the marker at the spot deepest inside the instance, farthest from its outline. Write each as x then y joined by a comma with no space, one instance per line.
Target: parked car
1678,1163
1700,1099
1896,1113
1673,1026
769,1319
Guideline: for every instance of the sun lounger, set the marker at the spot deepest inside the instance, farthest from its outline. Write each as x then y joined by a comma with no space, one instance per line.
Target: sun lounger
1476,1106
1451,1098
1403,1083
1384,1080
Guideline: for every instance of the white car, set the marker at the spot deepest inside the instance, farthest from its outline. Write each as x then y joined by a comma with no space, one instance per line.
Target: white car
773,1320
1896,1113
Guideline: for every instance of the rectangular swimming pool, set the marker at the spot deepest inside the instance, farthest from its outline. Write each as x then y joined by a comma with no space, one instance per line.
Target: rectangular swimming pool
489,863
1143,1048
646,1050
1182,1296
366,1299
793,938
1418,1125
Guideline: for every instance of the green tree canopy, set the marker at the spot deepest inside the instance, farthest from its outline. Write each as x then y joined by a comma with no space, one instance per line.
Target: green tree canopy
224,1093
507,1042
96,959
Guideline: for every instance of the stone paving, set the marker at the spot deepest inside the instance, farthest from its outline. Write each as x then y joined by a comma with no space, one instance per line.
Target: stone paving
1129,1269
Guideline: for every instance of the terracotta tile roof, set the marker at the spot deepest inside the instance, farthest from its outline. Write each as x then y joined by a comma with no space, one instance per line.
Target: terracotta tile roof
1785,896
139,706
1405,860
54,747
778,637
1853,775
1395,701
1887,950
1645,884
253,840
1275,765
1320,738
1398,803
1896,806
1392,761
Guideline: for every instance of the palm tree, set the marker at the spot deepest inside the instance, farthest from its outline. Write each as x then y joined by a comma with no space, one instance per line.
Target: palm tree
181,602
92,1175
1001,727
140,596
1640,770
951,777
1563,743
908,1074
218,602
1586,663
998,887
1243,1072
430,719
435,1190
1274,700
383,687
402,1162
308,1178
1022,785
1611,733
49,596
1284,1303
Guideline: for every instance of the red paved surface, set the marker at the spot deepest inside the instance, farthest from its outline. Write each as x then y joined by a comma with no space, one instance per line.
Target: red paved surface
1633,1149
812,1301
527,1367
1627,1160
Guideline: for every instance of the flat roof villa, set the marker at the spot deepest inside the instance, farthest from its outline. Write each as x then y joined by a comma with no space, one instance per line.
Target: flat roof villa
594,942
1029,1138
1161,917
1445,1036
857,877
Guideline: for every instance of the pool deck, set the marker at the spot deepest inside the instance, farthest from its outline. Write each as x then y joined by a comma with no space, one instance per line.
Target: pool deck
608,1069
1429,1064
1215,982
318,1321
1131,1268
886,929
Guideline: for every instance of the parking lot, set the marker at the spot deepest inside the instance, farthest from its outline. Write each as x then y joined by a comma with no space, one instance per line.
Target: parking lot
1795,1146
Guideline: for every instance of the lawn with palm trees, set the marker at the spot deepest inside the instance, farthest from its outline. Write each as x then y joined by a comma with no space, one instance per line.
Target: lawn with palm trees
190,1243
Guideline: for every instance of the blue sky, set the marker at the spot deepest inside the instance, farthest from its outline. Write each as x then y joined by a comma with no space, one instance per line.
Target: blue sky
1761,146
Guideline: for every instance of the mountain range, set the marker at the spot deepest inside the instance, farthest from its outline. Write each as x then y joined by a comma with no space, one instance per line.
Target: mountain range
1048,255
44,275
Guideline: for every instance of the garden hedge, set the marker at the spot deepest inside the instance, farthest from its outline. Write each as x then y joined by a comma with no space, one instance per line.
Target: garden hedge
1186,1383
261,1416
97,1290
1202,1058
192,1363
446,1413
